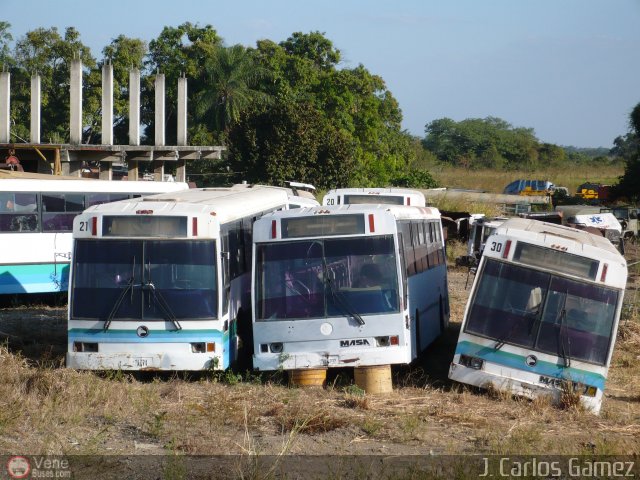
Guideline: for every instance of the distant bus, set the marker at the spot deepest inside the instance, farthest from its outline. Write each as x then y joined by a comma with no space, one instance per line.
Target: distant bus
543,313
347,286
163,282
36,221
390,196
529,187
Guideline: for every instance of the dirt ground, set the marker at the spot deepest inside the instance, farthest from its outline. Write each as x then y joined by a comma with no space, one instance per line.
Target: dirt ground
49,410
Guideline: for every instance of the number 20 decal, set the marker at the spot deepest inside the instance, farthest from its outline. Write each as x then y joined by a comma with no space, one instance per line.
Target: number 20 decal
496,247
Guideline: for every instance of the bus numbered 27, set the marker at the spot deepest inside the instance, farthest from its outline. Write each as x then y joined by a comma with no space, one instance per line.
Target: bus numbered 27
543,313
163,282
348,286
36,221
384,196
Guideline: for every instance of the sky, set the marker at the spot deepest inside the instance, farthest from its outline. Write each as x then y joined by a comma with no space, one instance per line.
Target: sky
568,69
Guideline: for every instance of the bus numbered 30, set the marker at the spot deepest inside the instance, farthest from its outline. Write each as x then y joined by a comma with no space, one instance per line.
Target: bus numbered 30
163,283
543,313
348,286
375,196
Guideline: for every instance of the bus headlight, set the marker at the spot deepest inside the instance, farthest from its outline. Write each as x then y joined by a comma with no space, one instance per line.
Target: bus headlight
85,347
275,347
471,362
387,341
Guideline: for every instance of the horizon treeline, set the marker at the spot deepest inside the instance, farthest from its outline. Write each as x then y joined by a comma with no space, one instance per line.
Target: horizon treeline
285,111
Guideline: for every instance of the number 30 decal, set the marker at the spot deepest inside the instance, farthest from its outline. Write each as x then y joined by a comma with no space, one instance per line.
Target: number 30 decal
496,247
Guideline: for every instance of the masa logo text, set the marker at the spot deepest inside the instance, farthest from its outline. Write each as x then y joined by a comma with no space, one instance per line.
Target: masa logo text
354,342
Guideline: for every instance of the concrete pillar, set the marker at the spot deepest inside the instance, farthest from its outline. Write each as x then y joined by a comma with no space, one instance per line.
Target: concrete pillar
134,107
158,170
75,93
105,173
182,111
107,104
160,110
36,102
181,165
132,171
5,107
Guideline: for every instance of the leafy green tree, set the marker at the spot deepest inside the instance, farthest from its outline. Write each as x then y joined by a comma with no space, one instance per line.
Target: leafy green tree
178,51
46,52
6,38
628,186
232,78
123,53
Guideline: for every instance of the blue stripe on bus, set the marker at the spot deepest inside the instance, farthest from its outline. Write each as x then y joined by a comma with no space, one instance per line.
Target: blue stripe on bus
155,336
512,360
34,278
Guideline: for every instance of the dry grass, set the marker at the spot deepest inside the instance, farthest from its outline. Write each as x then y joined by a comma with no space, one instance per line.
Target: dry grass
495,181
48,409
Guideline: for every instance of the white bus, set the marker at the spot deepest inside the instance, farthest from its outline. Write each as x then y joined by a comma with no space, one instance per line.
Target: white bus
348,286
163,282
36,220
387,196
543,313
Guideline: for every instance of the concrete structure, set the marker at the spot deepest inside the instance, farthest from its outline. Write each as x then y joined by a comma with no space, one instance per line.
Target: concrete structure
71,158
34,131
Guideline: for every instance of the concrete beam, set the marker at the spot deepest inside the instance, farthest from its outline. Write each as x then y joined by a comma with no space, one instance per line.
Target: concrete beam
134,106
36,101
107,104
158,170
160,110
5,107
75,105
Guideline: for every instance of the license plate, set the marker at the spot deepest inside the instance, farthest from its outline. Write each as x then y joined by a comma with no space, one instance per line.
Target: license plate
141,362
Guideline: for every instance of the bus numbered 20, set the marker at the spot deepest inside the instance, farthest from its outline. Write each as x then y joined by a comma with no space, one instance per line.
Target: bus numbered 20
348,286
163,282
543,313
383,196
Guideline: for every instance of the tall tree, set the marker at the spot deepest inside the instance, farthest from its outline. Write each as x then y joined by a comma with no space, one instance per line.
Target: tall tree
230,86
628,186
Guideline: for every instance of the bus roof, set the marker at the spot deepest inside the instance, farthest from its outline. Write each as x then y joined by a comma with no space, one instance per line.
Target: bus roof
52,183
398,211
226,203
378,191
527,229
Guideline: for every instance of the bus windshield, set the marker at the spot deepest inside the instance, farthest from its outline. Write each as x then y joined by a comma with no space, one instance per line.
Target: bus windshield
174,279
541,311
326,277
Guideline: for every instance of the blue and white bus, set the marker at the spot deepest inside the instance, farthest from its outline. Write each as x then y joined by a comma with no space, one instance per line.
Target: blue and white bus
36,220
543,313
163,282
348,286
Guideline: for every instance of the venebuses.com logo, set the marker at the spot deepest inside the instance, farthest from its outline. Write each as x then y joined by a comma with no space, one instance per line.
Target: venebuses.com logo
18,467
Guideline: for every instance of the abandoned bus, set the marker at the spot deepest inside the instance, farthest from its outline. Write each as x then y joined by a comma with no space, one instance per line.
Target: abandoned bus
36,220
163,282
543,313
387,196
348,286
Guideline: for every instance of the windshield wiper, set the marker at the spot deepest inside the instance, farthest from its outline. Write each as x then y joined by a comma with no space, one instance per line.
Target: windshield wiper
162,303
339,299
562,336
116,305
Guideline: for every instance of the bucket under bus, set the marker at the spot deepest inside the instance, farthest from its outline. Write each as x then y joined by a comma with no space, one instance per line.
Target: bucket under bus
144,348
530,374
